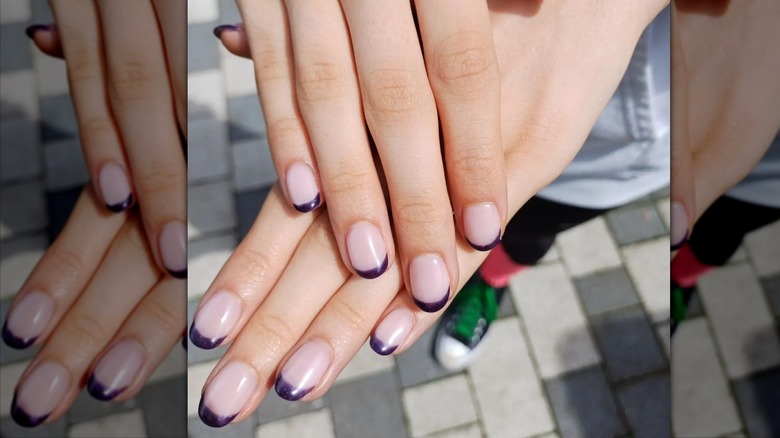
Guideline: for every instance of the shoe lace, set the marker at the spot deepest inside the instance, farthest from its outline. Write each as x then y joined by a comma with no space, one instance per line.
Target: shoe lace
480,302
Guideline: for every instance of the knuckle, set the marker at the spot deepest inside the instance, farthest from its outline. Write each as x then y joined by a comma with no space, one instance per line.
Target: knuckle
275,332
86,328
69,264
133,237
131,81
392,93
286,131
475,162
418,215
320,81
160,179
350,317
82,64
97,130
322,237
351,179
255,260
463,63
167,319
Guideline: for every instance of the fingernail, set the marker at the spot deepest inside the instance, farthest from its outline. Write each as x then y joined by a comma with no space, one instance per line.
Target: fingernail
173,248
116,370
367,251
30,31
679,225
303,370
430,282
39,394
482,225
302,187
223,27
27,320
227,393
215,320
392,331
115,187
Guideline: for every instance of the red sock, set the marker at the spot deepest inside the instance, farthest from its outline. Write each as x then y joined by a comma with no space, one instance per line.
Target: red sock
686,267
498,268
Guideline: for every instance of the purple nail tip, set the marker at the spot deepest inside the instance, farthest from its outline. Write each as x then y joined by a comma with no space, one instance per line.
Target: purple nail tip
178,274
209,418
435,306
221,28
15,342
30,31
23,418
203,342
309,206
380,347
100,391
122,206
487,247
374,273
681,243
289,392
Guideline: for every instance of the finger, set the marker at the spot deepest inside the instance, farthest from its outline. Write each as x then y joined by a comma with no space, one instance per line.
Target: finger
682,186
242,377
463,72
269,42
142,101
233,37
401,114
62,273
55,376
142,343
172,15
78,30
250,272
46,39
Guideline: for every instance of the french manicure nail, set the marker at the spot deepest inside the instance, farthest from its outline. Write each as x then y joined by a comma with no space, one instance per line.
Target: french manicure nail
28,319
221,28
39,394
227,393
367,251
679,226
30,31
215,320
430,282
304,370
116,370
173,248
482,225
392,331
115,187
302,187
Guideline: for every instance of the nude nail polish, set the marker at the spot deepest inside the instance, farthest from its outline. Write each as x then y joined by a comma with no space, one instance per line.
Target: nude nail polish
482,226
392,331
28,319
115,187
679,225
116,370
304,370
302,187
215,320
367,251
39,394
173,248
227,393
430,282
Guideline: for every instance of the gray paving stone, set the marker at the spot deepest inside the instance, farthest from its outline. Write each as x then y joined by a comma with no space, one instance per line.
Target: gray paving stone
254,167
246,118
275,408
20,151
8,354
661,193
210,208
164,406
10,429
605,291
14,47
506,307
24,208
759,398
228,12
41,13
636,223
417,365
195,354
583,405
368,407
695,307
647,404
202,51
247,207
87,408
58,119
210,158
65,165
19,97
628,343
772,289
244,429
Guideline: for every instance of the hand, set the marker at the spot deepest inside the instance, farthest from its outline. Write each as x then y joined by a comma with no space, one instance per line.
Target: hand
726,107
127,81
286,283
105,315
